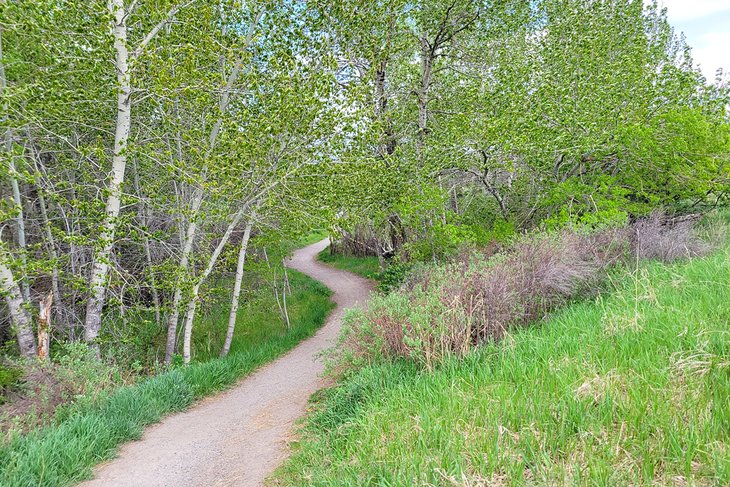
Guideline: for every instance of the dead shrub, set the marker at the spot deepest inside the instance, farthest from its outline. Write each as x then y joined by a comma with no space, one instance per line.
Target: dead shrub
667,239
449,309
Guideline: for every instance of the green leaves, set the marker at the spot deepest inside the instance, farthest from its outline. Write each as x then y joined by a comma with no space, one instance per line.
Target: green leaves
435,122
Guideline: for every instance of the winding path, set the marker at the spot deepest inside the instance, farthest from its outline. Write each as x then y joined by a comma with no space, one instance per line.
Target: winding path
239,437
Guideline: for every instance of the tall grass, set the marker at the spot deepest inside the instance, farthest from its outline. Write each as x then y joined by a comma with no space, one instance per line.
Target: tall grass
65,452
630,387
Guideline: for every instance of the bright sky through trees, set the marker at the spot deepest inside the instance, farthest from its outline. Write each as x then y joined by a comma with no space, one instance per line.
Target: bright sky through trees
706,23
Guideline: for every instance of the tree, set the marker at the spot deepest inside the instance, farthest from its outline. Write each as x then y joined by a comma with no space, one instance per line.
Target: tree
123,61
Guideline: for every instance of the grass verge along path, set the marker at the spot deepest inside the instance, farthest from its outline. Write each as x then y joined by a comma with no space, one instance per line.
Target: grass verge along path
631,388
366,267
65,452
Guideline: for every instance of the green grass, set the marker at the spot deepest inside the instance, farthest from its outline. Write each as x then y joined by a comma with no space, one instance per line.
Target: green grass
258,318
367,267
313,237
632,388
65,452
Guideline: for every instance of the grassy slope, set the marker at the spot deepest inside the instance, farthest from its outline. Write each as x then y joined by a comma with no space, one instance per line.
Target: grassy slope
312,237
367,267
631,388
64,453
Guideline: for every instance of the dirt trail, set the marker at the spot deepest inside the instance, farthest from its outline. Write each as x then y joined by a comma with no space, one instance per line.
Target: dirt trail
239,437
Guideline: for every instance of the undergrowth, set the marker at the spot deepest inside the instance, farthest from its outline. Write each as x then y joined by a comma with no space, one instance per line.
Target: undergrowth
448,309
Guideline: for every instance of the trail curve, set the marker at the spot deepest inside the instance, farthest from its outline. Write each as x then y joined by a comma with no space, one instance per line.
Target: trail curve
238,438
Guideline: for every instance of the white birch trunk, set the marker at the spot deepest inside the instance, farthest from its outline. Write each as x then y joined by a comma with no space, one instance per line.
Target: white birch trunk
182,269
192,228
283,295
44,328
19,315
100,269
19,219
194,295
423,98
237,287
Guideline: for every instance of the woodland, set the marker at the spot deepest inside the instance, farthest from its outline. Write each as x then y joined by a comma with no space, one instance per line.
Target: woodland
162,158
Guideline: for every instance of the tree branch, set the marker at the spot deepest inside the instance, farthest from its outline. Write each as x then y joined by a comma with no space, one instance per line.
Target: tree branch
152,33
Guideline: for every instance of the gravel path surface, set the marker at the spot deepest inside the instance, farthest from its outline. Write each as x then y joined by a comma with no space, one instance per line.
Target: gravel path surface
239,437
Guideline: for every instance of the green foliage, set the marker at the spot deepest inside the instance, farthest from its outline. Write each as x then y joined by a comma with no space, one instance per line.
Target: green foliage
9,379
393,276
437,126
568,112
82,373
133,342
628,388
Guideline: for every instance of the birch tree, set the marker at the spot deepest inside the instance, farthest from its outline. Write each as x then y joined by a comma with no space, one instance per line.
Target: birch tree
236,295
199,193
19,314
100,269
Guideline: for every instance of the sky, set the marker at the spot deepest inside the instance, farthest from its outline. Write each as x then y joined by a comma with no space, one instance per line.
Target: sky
706,25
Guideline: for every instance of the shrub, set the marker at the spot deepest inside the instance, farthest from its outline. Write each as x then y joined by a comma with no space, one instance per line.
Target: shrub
393,276
82,373
445,310
9,378
657,237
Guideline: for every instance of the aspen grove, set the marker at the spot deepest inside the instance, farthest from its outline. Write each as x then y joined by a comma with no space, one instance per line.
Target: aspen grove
150,147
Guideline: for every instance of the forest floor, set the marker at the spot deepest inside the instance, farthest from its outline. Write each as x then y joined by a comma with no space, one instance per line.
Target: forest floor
239,437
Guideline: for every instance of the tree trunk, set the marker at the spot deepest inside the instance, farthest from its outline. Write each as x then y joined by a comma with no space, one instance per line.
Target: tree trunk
19,219
100,269
423,94
44,327
182,269
287,286
18,313
237,287
274,284
193,303
283,295
427,60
